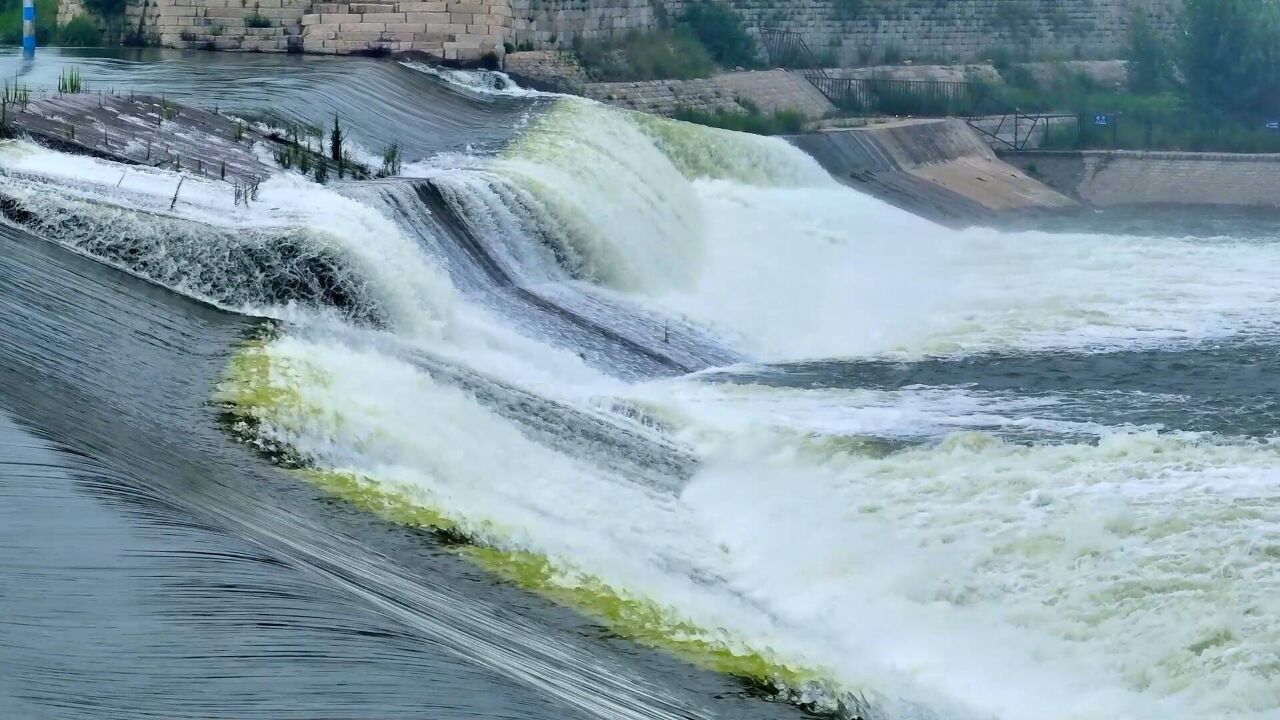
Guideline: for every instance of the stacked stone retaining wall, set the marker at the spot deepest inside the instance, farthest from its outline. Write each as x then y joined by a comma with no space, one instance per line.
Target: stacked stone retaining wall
448,30
767,91
955,30
540,24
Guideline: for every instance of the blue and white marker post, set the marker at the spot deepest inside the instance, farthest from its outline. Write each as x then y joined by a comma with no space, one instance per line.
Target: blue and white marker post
28,29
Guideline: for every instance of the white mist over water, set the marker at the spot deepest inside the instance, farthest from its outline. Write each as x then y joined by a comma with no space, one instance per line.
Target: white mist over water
749,236
959,577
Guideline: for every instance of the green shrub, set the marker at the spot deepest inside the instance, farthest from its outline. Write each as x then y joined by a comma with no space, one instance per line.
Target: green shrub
257,21
658,55
80,32
1231,60
722,33
752,120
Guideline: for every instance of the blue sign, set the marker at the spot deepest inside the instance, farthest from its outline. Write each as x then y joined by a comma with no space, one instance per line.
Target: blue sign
1102,120
1273,125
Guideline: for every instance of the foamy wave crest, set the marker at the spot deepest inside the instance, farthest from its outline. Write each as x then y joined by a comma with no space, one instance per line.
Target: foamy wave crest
296,243
1124,577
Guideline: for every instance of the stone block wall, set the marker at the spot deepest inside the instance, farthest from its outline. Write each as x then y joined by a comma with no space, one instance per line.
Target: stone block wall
765,90
919,30
541,24
69,9
549,68
956,30
447,30
222,24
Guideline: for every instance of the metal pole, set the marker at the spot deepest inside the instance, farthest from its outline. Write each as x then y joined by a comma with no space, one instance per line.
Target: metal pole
28,29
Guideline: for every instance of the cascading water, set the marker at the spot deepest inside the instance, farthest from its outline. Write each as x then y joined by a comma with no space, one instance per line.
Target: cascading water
511,366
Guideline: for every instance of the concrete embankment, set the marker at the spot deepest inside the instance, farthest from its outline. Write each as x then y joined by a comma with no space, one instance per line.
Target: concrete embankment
766,90
141,130
1108,178
939,169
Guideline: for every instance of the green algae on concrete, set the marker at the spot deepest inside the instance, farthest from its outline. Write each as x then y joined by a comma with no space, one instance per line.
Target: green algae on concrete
252,396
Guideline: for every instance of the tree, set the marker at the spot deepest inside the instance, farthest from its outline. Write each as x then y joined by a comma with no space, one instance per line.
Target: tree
1149,65
722,33
1231,60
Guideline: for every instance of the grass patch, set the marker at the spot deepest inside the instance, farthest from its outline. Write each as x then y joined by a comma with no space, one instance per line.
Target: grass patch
887,96
752,120
69,82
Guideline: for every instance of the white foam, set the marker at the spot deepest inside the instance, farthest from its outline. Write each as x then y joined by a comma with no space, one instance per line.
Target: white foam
826,272
487,82
967,577
747,235
975,578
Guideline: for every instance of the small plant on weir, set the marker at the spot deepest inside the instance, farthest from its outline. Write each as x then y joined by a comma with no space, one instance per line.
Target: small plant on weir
246,192
16,94
335,141
391,161
69,82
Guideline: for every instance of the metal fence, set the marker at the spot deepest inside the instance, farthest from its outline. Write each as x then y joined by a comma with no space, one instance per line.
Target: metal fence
876,95
788,49
1014,128
920,98
1184,129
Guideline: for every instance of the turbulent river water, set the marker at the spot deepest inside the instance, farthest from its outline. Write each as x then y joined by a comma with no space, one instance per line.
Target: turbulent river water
593,414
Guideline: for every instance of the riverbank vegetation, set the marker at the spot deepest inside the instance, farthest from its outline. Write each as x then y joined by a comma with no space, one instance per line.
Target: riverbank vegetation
705,38
750,120
1214,85
79,32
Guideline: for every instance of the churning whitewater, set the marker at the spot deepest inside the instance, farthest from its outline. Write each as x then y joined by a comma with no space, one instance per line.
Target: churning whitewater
684,381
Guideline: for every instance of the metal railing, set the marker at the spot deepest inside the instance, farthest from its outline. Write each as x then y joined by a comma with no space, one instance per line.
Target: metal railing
875,95
785,48
889,96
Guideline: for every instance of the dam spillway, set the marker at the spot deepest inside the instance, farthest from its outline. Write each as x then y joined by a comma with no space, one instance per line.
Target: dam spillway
593,414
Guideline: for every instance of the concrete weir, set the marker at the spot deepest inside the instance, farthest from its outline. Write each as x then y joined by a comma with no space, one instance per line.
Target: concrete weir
939,169
142,130
1117,178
